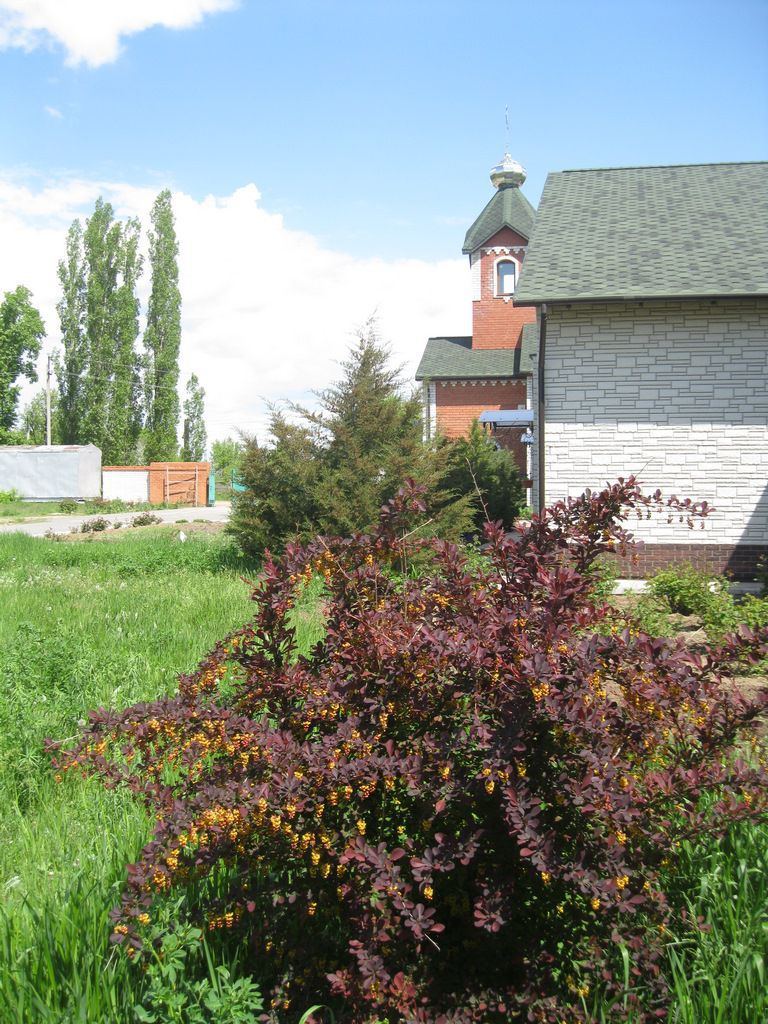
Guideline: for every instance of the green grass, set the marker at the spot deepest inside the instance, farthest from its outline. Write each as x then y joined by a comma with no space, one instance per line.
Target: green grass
718,971
27,509
86,624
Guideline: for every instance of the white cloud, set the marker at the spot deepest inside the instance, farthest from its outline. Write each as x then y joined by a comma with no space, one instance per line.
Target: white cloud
54,112
90,30
267,311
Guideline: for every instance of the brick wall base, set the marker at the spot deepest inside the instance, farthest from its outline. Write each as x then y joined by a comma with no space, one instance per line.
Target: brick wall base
739,561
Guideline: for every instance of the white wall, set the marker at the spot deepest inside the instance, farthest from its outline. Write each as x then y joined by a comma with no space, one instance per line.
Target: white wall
51,472
126,484
676,392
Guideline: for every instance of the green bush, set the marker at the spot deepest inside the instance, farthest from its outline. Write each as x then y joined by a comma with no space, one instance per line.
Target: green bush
146,519
489,475
9,497
688,591
97,525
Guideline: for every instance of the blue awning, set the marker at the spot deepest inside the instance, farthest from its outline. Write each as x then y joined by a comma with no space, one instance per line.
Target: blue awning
507,417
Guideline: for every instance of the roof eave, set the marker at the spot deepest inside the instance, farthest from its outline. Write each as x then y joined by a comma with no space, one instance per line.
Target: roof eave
663,297
468,250
474,376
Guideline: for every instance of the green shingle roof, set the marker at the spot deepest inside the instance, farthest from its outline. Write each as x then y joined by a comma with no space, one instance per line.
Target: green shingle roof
455,359
649,232
508,208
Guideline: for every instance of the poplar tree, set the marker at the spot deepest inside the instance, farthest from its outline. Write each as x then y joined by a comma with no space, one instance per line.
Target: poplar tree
73,360
101,250
125,419
195,437
98,370
162,337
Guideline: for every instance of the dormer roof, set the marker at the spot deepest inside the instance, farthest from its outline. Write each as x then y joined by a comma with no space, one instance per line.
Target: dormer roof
507,208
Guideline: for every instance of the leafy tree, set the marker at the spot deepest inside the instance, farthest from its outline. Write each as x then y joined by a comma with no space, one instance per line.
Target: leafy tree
477,467
195,438
162,337
98,371
226,456
332,471
32,419
21,334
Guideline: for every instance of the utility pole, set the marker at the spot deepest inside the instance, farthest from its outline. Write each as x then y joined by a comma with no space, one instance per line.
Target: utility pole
48,403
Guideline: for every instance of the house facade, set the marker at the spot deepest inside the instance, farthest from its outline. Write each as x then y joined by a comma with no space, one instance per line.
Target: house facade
650,286
487,376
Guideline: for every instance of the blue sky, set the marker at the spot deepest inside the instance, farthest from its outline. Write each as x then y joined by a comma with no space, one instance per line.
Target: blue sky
368,127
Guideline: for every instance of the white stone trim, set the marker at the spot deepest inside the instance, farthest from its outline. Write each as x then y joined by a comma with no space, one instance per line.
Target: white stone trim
506,250
478,383
505,258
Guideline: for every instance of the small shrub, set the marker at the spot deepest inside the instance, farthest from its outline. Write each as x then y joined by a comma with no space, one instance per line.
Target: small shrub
9,497
604,573
146,519
460,805
68,505
96,525
171,996
687,591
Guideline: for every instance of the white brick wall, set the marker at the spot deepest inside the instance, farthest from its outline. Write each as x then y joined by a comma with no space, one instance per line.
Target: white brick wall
676,392
475,262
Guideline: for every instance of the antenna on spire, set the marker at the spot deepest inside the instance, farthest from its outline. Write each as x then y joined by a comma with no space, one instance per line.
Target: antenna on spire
506,122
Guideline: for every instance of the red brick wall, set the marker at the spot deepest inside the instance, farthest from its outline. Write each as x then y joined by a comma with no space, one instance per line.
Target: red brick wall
458,404
174,482
736,560
496,323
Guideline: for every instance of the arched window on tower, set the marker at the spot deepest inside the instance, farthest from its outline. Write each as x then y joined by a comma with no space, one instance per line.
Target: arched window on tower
505,277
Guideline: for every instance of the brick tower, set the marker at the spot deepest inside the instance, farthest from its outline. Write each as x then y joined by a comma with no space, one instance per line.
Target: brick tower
486,376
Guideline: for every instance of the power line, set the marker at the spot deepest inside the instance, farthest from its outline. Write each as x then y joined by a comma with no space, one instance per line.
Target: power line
110,380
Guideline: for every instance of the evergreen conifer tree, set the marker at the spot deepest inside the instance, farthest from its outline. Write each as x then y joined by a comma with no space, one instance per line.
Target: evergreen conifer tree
477,467
332,472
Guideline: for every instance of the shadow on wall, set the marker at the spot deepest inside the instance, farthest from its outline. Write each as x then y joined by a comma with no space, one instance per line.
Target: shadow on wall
753,544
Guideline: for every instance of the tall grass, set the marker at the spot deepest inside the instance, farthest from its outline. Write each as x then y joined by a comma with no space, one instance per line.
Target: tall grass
83,625
717,964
